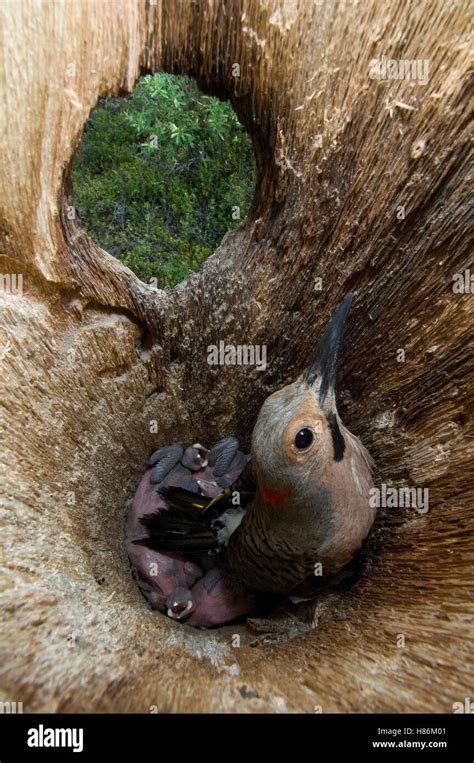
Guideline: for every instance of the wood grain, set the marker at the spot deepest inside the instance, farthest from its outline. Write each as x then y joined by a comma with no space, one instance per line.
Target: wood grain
91,355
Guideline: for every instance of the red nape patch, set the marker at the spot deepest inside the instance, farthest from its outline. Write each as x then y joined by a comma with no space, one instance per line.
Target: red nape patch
274,496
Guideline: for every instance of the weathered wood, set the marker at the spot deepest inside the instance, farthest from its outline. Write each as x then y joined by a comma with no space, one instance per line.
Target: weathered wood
91,355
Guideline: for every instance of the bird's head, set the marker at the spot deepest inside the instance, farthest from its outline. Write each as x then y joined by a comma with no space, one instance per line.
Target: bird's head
297,433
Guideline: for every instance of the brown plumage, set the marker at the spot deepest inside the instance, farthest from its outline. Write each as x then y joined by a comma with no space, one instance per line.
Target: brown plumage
308,513
326,515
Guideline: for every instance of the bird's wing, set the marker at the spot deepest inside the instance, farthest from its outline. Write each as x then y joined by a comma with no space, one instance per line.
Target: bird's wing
222,455
184,526
163,460
339,578
189,525
243,488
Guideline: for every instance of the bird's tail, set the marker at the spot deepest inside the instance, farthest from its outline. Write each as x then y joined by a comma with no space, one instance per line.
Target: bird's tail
185,526
190,523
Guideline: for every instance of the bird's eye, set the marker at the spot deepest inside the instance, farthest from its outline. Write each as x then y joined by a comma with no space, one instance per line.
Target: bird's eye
304,438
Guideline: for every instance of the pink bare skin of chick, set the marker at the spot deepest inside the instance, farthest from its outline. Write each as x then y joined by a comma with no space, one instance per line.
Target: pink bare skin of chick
197,593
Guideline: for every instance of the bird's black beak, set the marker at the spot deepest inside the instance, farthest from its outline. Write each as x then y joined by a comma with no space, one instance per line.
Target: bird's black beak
322,369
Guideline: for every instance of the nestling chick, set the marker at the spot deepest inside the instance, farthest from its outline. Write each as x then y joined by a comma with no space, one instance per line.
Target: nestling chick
307,509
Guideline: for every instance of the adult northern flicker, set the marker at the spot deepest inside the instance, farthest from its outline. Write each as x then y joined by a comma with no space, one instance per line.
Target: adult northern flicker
303,509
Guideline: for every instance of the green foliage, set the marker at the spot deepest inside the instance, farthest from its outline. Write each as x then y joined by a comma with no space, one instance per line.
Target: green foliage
157,175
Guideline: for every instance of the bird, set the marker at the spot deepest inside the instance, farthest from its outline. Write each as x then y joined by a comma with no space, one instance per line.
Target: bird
186,587
299,511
